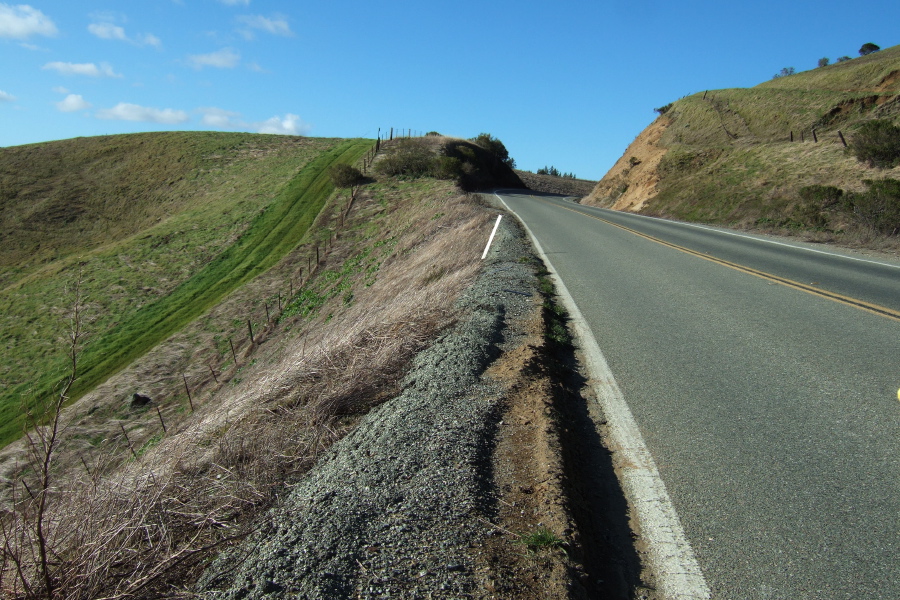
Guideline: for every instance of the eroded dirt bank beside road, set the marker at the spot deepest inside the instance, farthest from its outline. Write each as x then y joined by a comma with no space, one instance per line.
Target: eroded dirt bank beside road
484,478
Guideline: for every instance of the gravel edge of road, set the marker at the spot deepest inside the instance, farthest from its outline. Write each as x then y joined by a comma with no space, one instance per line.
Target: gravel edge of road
398,507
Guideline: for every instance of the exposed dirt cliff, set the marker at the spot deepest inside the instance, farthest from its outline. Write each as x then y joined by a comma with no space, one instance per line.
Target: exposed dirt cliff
633,180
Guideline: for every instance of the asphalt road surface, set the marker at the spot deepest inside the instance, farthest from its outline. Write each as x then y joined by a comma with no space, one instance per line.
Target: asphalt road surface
764,380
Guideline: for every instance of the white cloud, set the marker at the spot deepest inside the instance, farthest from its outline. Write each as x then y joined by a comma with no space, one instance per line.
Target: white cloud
87,69
148,39
133,112
110,31
73,103
5,97
275,26
222,119
22,21
287,125
226,58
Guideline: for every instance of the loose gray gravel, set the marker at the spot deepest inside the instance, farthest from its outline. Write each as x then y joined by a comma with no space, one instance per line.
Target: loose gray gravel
397,508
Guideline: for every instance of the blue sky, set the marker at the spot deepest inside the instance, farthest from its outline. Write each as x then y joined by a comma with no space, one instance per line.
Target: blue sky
564,83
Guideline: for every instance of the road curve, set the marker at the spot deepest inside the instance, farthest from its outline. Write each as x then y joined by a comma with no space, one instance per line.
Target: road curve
763,379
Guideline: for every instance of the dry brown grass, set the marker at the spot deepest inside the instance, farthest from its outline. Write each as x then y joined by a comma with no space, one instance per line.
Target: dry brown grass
141,526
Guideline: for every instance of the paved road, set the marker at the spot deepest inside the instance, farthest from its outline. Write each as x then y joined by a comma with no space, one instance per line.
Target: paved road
772,412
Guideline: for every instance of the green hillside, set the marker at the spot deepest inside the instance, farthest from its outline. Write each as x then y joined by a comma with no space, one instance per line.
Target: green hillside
156,227
744,156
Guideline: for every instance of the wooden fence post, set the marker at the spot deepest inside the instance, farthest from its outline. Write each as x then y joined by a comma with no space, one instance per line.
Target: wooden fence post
188,390
815,137
843,141
213,372
233,353
163,423
250,328
130,447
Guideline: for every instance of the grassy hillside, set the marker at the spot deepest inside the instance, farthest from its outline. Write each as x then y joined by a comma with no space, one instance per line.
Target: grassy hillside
156,228
337,321
742,156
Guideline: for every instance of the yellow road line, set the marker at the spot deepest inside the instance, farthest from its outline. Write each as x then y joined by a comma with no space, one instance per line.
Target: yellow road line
854,302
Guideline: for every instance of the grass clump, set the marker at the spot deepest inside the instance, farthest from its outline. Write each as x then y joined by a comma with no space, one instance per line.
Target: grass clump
541,540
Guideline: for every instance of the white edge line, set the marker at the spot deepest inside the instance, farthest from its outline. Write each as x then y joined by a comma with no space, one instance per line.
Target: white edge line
671,556
491,239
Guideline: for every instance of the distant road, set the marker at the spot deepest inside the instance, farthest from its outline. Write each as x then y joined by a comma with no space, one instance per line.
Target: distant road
764,380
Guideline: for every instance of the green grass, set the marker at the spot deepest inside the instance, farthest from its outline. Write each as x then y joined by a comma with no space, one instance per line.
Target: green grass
541,539
278,226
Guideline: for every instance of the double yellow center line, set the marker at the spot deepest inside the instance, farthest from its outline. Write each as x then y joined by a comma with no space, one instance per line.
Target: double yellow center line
854,302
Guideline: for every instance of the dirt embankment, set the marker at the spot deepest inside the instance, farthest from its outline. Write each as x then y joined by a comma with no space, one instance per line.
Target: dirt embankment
567,186
632,181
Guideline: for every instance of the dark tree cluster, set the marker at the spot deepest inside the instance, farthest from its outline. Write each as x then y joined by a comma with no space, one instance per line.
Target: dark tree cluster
554,172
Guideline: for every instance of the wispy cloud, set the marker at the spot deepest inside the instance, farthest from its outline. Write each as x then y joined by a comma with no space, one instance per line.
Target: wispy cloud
219,118
226,58
22,21
287,125
134,112
73,103
111,31
86,69
277,25
108,31
6,97
148,39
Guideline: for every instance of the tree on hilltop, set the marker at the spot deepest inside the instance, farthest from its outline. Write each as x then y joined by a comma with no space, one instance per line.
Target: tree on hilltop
784,72
823,62
496,147
868,48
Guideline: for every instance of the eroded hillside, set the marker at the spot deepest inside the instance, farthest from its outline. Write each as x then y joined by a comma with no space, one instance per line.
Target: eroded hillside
743,156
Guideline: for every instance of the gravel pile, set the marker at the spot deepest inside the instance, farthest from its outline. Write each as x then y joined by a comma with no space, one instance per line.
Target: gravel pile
397,508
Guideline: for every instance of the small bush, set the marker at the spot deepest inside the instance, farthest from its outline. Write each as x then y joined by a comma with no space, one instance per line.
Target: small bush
818,200
664,108
823,196
785,72
878,208
877,143
843,59
448,167
823,62
344,176
407,158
